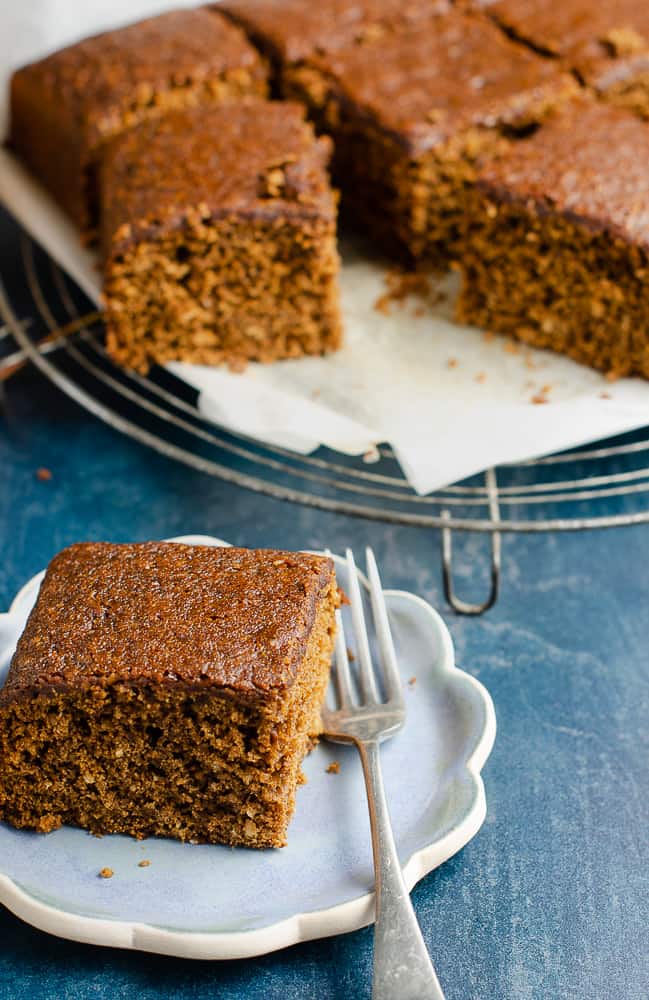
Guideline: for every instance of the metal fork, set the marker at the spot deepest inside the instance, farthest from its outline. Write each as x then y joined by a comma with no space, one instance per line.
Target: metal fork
402,967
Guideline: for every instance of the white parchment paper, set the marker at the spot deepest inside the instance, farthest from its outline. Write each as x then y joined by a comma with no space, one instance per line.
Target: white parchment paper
449,400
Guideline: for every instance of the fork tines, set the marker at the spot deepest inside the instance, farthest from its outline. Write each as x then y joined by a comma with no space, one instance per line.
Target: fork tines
371,677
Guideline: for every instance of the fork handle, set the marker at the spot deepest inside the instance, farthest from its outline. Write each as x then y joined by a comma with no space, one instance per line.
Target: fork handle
402,966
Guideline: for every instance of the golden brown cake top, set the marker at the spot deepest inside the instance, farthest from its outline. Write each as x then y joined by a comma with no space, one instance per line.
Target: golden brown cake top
425,85
250,159
98,79
294,29
604,40
221,618
589,164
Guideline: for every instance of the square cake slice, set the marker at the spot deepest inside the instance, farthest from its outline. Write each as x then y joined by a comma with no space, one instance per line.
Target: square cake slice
412,111
606,43
167,689
219,238
559,256
65,106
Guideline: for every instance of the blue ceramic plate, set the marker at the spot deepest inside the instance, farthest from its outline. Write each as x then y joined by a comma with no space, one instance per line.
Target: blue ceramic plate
217,902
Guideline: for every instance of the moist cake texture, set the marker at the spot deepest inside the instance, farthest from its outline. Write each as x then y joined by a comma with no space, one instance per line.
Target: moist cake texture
559,256
413,111
166,689
606,43
64,107
219,238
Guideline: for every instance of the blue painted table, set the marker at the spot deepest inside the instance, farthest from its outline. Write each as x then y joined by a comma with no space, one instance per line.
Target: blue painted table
550,899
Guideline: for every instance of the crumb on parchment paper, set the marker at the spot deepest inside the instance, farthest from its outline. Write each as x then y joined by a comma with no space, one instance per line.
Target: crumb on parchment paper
402,285
106,873
333,768
412,681
144,863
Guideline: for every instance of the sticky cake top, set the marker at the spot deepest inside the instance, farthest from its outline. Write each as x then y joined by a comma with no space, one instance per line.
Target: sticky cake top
293,29
604,41
423,86
251,159
97,80
225,618
588,164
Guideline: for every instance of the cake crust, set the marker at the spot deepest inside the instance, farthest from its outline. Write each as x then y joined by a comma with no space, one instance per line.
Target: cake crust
291,30
221,618
589,164
213,165
606,43
65,106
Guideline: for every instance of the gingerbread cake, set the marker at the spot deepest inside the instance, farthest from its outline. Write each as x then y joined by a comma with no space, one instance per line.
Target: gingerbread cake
606,43
167,689
289,31
219,238
64,107
411,111
559,256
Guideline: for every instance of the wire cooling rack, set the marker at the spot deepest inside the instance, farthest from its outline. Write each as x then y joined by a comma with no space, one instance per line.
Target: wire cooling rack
48,322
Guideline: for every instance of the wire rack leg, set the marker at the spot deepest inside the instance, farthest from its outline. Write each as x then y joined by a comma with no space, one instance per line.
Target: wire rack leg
458,605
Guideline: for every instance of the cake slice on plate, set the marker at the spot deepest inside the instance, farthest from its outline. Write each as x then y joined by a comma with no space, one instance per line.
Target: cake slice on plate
167,689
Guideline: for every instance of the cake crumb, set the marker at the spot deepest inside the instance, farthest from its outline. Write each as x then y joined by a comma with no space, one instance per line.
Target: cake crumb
605,395
333,768
451,363
106,873
402,285
144,863
412,681
511,347
382,304
44,475
612,376
481,377
539,398
350,655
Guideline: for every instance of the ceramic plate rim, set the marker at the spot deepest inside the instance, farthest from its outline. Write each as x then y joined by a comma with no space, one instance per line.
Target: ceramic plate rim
306,926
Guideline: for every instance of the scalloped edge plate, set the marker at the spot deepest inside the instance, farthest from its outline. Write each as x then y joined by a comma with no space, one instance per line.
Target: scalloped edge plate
342,918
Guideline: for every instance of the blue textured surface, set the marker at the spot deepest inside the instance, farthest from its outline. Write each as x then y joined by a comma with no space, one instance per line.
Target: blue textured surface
550,899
